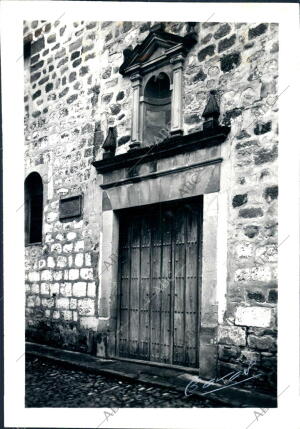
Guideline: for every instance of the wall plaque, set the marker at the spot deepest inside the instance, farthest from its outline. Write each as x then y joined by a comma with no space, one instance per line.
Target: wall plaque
70,207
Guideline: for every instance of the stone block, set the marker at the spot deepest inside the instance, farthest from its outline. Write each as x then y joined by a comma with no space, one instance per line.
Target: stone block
33,276
91,291
51,217
262,274
263,128
88,259
46,275
272,296
264,343
267,253
66,289
251,231
61,261
57,275
251,212
73,274
75,45
63,303
37,46
56,314
253,316
71,236
249,356
48,302
257,31
86,273
79,260
227,353
79,246
86,307
67,248
35,288
31,301
232,335
239,200
226,43
45,288
54,288
257,296
244,250
230,61
79,289
56,248
73,304
89,323
222,31
206,52
271,193
67,315
50,262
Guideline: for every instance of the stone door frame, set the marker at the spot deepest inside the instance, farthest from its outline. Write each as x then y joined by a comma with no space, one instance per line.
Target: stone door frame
136,179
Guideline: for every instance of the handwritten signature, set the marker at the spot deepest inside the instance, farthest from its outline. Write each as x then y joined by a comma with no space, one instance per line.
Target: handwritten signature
227,380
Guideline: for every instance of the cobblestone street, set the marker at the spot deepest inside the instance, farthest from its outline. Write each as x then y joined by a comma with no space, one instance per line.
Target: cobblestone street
50,385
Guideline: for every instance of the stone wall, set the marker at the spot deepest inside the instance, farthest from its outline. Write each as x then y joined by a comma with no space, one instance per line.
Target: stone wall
73,94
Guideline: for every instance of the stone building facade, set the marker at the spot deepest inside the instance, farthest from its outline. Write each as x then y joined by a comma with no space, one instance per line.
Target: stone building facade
86,87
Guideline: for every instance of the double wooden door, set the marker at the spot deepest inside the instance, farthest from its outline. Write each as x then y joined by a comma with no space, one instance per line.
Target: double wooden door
160,283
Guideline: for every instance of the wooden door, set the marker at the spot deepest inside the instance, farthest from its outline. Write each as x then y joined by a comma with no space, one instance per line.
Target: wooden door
159,283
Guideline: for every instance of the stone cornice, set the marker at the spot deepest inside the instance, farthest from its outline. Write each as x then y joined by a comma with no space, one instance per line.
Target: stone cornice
167,148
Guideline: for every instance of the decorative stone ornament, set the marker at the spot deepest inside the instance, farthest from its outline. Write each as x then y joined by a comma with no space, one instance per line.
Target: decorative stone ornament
110,143
211,112
159,52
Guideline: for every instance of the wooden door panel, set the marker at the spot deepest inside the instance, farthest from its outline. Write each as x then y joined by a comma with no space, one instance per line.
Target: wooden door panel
159,284
134,287
165,289
155,306
145,288
191,293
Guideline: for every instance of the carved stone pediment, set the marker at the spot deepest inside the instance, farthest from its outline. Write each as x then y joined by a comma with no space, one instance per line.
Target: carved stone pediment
155,51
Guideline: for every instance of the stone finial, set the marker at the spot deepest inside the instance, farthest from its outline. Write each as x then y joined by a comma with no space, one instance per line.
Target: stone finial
110,143
191,36
160,26
211,112
127,54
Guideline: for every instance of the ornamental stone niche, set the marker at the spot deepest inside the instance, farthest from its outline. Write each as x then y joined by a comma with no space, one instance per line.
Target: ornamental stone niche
155,70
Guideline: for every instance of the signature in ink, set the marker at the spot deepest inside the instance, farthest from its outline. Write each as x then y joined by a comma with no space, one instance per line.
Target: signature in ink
227,380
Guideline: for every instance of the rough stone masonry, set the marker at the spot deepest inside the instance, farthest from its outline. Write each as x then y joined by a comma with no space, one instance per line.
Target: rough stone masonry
73,94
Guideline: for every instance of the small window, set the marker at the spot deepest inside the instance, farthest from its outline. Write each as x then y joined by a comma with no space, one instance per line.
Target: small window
33,208
157,110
